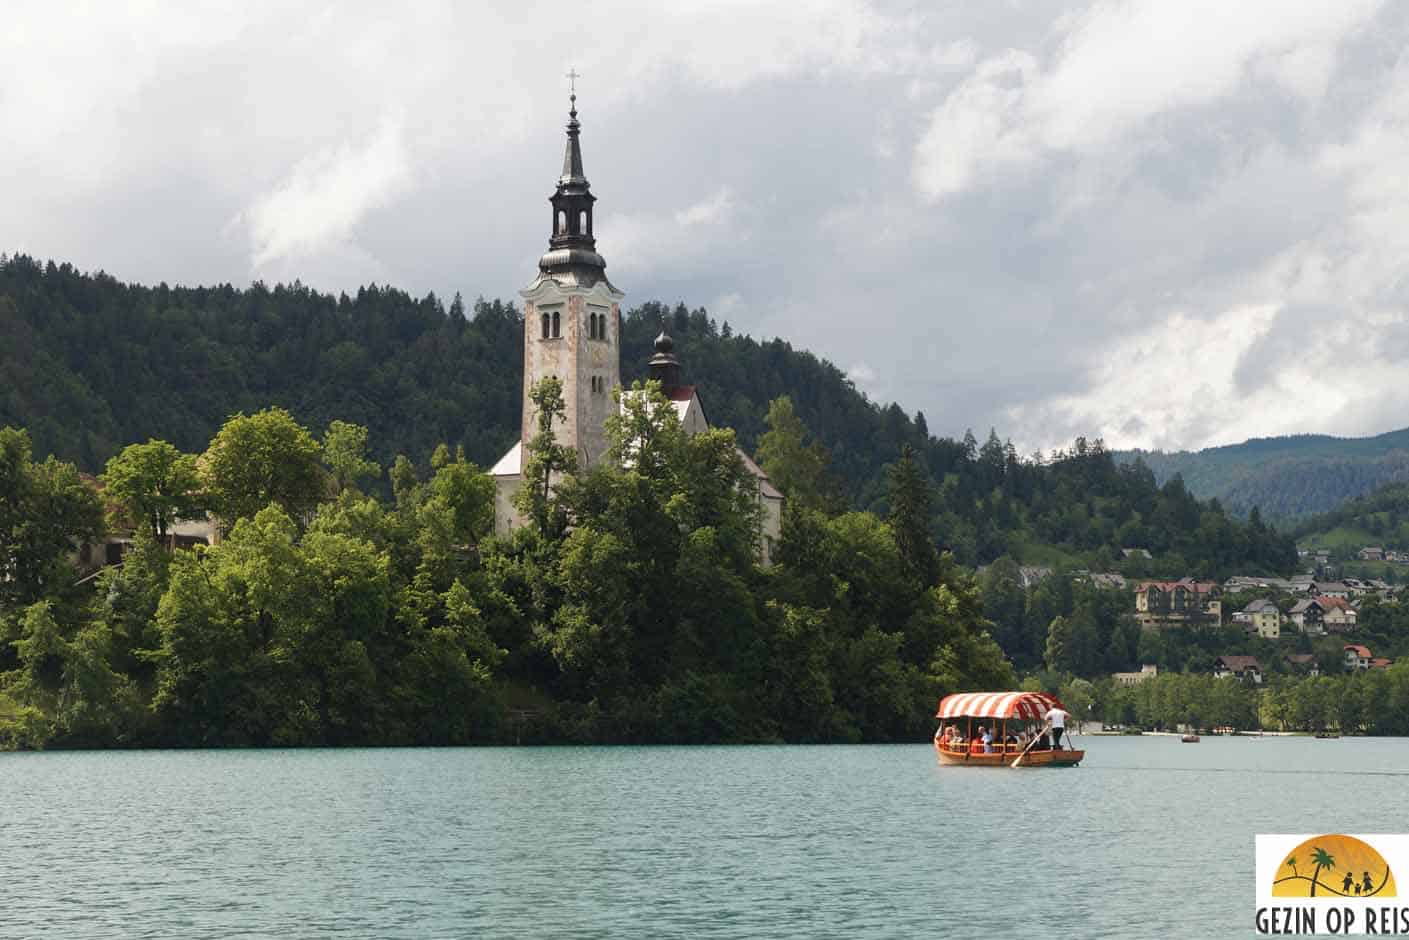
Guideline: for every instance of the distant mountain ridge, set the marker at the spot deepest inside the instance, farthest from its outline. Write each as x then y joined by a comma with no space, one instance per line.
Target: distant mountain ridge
1288,478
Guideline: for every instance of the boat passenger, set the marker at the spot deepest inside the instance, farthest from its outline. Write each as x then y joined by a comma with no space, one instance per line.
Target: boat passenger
987,741
976,745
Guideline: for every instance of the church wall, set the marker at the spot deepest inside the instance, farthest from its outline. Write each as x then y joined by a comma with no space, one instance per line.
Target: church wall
506,516
554,356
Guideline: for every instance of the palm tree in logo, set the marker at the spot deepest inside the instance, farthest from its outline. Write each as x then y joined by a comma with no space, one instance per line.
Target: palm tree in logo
1291,863
1323,860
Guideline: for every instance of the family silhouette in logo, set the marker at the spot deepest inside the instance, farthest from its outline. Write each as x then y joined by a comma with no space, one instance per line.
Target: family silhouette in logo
1326,862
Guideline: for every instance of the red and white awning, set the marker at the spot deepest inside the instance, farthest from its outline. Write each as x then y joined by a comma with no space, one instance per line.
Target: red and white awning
1027,705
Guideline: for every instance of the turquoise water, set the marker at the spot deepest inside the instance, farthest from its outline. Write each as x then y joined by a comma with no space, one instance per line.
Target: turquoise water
1149,837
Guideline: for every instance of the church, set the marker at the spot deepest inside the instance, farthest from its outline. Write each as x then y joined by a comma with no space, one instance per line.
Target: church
572,329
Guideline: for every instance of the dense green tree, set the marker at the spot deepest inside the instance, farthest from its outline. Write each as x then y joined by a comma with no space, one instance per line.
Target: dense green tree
345,453
796,465
151,486
259,459
546,461
45,511
909,517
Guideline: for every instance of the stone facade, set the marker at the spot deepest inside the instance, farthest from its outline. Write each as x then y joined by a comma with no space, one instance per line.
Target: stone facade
589,366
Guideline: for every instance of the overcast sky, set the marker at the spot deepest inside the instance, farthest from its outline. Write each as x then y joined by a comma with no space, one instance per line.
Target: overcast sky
1170,224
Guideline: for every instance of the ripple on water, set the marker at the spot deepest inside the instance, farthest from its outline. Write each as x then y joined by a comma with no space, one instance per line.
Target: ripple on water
1148,837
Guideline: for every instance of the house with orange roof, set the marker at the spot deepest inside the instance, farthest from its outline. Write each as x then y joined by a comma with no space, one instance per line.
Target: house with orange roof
1357,657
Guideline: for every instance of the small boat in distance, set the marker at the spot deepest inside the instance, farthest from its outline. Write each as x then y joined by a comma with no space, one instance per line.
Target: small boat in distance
1190,739
1326,735
1011,719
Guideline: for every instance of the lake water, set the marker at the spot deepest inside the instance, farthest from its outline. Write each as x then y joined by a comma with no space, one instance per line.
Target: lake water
1149,837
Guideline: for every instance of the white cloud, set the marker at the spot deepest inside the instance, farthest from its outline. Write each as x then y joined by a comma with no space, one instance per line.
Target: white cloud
320,202
1119,65
1126,176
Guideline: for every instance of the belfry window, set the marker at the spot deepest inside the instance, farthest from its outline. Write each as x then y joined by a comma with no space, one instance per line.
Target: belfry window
562,223
582,223
546,323
556,324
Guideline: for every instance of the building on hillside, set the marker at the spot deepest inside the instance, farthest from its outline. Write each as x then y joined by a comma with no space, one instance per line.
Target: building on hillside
1379,662
1033,575
1186,602
1136,553
572,330
1261,617
1308,614
1240,667
1371,553
1357,657
1108,580
1147,671
1337,614
1333,589
1303,663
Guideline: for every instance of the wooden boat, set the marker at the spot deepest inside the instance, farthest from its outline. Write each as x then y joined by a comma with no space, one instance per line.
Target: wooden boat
1190,739
1005,711
1327,735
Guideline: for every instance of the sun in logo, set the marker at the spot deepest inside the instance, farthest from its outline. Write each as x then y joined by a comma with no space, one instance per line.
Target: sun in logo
1333,866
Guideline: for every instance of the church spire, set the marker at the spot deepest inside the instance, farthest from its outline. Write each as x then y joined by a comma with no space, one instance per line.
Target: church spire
572,249
572,155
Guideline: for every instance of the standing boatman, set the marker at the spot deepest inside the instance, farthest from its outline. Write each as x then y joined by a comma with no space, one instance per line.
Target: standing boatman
1056,718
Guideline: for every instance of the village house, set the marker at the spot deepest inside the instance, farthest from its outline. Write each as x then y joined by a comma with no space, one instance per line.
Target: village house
1239,582
1178,603
1337,614
1261,617
1128,679
1033,575
1308,614
1240,667
1357,657
1333,589
1371,553
1304,663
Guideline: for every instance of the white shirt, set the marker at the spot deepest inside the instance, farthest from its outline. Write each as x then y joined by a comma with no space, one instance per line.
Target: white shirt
1056,716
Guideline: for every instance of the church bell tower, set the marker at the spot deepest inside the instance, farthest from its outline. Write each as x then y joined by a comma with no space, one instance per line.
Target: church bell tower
572,314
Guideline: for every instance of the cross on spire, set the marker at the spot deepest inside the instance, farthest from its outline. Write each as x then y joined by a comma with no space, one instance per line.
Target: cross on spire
572,76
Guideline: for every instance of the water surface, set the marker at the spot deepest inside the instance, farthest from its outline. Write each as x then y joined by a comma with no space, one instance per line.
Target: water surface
1149,837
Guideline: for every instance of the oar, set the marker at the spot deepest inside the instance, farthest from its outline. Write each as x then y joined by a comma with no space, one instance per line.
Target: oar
1030,744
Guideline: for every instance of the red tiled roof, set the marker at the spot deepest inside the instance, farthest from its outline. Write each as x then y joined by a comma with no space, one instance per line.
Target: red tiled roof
1328,601
681,393
1362,651
1381,663
1239,663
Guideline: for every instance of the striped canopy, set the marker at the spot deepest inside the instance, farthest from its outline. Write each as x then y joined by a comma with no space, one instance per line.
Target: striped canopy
1029,705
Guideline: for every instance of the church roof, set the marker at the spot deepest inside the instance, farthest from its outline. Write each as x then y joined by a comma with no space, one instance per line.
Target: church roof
765,485
511,464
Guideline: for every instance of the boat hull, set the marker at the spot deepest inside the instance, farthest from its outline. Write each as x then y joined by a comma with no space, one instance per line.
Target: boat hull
1004,758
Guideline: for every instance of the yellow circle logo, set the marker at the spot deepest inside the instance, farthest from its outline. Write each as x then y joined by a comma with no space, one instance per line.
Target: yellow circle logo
1333,866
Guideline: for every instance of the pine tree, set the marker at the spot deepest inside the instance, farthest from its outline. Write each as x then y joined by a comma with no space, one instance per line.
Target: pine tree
909,517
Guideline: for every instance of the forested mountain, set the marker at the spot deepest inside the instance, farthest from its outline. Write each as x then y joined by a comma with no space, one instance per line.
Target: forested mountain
89,364
1288,478
1380,518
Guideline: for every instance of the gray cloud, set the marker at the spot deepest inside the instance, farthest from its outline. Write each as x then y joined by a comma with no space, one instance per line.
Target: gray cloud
1122,221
